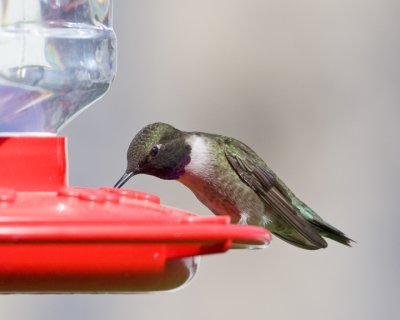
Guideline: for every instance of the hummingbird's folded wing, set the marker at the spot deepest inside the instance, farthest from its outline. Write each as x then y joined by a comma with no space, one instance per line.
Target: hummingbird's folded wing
256,174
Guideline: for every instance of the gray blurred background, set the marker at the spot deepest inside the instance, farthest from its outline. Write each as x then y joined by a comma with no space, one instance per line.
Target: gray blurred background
313,87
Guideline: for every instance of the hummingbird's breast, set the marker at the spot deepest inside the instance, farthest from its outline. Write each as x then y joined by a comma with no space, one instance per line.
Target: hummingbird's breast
212,179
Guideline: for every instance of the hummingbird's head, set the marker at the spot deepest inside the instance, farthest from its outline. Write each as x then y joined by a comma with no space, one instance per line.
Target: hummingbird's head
158,150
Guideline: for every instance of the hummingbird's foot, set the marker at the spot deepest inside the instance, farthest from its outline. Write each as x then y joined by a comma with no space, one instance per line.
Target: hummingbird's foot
243,218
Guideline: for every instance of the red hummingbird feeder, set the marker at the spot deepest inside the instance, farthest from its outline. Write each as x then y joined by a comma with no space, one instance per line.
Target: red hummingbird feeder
57,238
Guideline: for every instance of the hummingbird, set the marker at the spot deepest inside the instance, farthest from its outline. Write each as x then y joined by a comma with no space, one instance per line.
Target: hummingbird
229,178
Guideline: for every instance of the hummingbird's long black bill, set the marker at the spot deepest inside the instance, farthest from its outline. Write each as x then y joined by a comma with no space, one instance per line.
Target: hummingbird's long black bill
126,176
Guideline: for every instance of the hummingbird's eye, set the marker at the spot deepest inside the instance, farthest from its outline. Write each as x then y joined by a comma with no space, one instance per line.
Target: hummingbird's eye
154,150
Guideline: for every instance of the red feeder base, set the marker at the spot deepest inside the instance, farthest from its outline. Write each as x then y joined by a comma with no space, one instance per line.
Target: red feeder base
55,238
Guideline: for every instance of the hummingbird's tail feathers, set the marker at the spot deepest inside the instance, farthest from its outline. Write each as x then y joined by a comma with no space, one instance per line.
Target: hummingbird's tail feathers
298,243
331,232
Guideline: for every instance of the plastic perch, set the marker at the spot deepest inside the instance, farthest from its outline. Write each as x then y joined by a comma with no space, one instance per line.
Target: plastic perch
55,238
